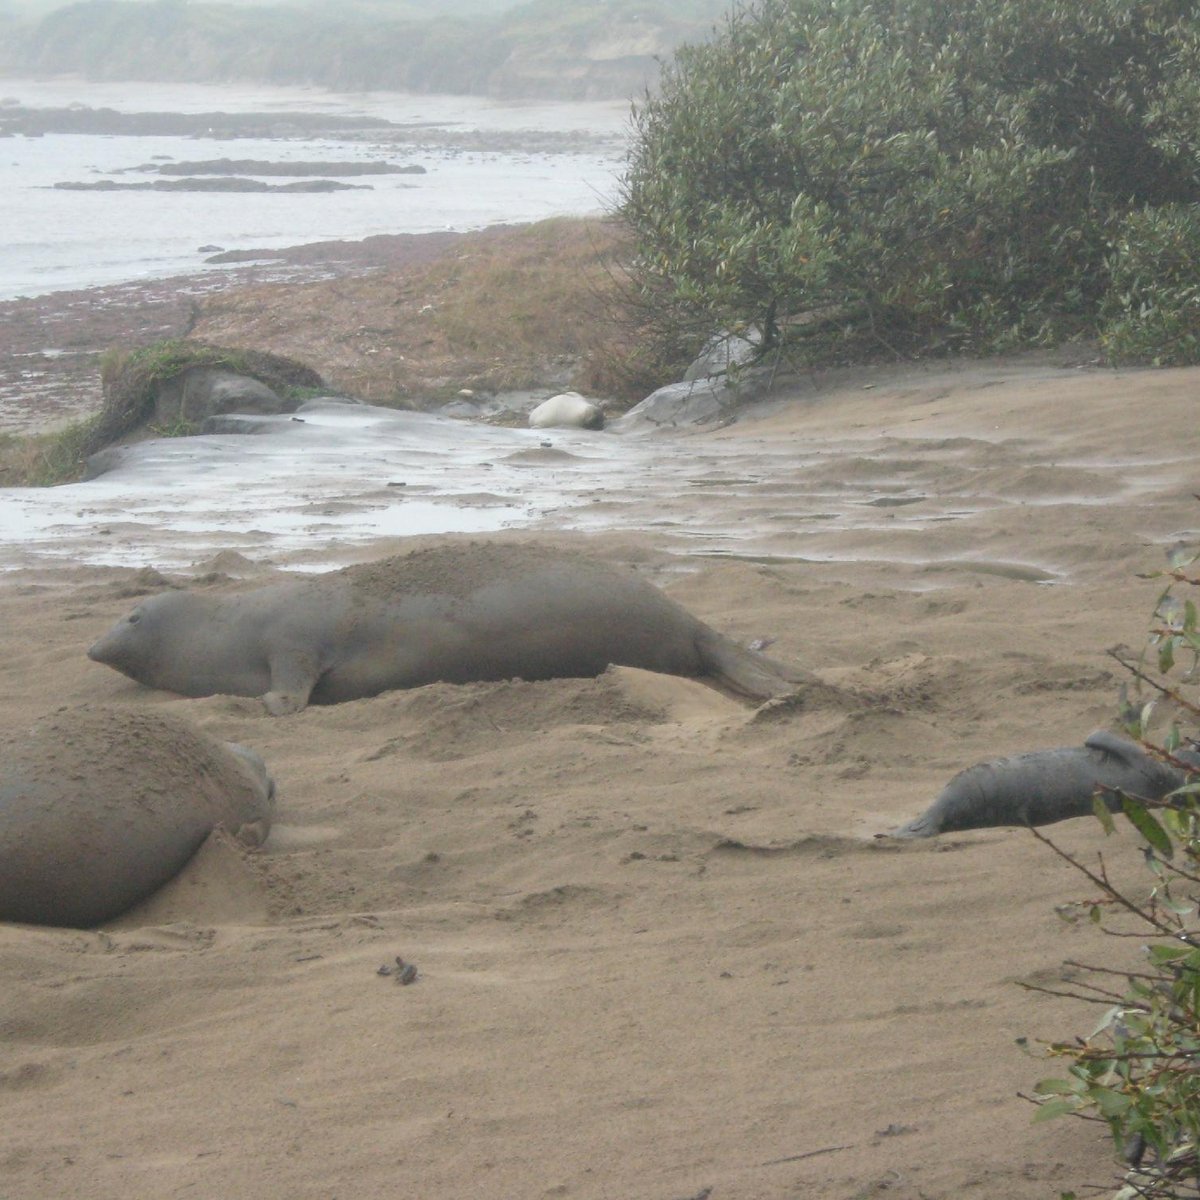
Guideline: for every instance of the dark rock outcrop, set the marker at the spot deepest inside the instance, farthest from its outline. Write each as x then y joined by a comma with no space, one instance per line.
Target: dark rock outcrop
233,183
199,393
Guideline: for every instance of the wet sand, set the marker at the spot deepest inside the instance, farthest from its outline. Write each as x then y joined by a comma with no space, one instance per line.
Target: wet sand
661,954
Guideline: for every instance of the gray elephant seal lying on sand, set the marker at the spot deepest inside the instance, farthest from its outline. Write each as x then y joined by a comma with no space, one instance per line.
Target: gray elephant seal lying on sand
453,613
99,807
1044,786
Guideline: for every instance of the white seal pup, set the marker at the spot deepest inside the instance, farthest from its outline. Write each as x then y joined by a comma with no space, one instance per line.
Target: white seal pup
569,410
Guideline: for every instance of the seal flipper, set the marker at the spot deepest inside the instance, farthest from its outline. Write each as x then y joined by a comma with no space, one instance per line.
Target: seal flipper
1108,743
1129,752
746,671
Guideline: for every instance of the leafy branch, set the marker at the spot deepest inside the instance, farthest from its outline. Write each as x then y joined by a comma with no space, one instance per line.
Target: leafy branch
1138,1071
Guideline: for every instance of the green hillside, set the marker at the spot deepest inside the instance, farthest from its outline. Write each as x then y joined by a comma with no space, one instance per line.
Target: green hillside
564,49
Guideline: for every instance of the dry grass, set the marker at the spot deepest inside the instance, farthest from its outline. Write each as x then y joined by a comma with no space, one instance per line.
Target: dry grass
44,459
533,306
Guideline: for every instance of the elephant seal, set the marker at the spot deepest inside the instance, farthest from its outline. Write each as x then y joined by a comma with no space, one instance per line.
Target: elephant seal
1044,786
454,613
570,410
99,807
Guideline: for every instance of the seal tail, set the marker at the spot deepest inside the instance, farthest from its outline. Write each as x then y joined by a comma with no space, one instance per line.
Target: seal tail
747,671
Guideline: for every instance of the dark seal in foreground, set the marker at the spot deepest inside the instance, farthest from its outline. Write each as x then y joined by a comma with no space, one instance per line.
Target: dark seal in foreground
1044,786
454,613
99,807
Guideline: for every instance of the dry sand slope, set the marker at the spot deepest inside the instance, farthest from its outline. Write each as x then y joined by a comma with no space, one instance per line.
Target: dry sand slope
661,955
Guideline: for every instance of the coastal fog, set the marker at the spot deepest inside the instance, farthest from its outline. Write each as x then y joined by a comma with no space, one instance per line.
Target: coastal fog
86,206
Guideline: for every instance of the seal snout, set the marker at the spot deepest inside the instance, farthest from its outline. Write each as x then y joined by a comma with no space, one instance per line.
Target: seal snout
114,648
101,650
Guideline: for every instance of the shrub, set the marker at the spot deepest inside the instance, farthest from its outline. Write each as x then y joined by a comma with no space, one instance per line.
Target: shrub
1139,1070
1152,311
911,174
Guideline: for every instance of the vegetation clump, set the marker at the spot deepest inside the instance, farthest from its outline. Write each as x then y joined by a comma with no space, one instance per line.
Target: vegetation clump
44,459
1139,1070
909,176
130,380
560,48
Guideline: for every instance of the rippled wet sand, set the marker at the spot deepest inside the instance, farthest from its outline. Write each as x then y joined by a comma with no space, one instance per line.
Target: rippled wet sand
931,475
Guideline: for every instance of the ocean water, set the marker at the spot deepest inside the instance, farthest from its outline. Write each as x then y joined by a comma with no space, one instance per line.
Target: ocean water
481,168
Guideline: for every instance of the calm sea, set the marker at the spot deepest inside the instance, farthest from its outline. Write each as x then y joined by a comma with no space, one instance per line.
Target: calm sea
480,169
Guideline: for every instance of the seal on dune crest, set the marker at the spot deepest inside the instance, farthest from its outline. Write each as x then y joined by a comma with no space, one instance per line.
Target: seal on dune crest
454,613
1044,786
99,807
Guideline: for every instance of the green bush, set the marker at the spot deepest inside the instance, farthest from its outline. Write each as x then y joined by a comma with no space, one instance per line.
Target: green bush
1139,1069
912,174
131,378
1152,311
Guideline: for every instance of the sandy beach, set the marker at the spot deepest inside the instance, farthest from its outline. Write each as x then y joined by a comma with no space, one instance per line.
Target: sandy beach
661,953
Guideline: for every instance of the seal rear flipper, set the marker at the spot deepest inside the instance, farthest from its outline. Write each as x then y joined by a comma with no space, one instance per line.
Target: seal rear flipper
746,671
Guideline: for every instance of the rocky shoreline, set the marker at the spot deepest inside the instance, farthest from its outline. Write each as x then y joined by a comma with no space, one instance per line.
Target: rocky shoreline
258,166
28,121
51,345
233,183
80,119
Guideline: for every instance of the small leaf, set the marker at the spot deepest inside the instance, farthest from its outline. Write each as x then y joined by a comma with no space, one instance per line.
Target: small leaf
1052,1109
1147,825
1108,1102
1170,609
1180,555
1103,813
1057,1087
1166,655
1113,1014
1162,954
